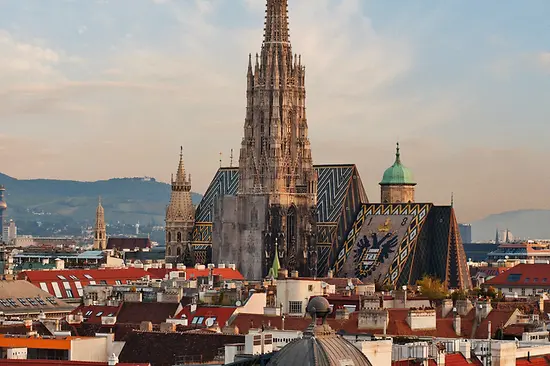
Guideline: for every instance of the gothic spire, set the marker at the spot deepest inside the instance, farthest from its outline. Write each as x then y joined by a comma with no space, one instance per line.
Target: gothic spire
276,21
180,175
397,155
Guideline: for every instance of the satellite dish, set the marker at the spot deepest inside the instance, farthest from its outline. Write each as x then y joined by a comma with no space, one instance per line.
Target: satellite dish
210,322
323,284
238,303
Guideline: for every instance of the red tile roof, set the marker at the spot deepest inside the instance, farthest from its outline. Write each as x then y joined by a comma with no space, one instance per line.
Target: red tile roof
5,362
498,319
155,312
524,275
539,360
221,314
224,273
58,282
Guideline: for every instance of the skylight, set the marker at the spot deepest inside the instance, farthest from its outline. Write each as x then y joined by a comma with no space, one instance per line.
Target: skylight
61,277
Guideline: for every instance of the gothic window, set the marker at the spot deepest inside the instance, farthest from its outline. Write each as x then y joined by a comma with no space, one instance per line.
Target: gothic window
179,237
254,216
291,224
169,250
169,236
178,251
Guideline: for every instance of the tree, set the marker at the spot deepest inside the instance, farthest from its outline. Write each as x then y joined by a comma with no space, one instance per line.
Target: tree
432,288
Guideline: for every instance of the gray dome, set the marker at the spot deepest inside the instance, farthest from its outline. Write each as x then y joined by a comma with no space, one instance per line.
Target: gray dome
320,346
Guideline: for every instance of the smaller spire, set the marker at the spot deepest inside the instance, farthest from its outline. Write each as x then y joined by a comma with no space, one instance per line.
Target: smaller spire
397,155
452,199
231,159
220,159
180,175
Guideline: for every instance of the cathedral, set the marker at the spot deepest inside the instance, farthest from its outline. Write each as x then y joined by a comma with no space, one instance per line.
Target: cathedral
315,218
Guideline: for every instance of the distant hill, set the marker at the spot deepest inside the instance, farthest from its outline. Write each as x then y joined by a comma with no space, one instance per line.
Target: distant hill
534,224
126,200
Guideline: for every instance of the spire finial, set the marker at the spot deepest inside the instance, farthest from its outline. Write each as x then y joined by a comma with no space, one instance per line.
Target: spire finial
99,200
220,159
452,199
231,159
397,154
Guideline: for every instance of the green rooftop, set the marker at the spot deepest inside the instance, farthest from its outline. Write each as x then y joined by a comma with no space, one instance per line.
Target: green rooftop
397,174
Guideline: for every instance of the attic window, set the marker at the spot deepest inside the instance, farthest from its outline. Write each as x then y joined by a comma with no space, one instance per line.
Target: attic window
536,279
88,277
527,279
61,277
544,279
88,313
99,313
514,277
74,277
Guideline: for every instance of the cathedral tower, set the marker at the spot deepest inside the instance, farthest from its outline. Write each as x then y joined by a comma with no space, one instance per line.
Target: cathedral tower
180,218
277,194
100,229
397,185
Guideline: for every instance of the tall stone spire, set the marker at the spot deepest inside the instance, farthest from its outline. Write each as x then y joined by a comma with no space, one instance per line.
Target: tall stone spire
100,229
277,194
275,155
180,217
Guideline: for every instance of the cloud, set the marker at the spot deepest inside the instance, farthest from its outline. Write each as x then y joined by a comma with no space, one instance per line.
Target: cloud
543,60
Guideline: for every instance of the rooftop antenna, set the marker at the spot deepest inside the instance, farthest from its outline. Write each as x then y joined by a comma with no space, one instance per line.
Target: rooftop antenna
231,159
220,159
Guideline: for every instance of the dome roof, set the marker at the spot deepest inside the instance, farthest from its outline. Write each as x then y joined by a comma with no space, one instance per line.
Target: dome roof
320,346
398,174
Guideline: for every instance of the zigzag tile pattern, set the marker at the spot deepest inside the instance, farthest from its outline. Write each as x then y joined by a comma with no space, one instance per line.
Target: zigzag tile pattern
225,182
332,186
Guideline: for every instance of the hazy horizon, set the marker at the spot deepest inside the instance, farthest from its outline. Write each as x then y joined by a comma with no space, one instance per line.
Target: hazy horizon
100,89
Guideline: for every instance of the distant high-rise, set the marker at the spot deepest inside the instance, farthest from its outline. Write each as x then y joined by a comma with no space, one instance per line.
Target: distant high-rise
180,218
465,233
100,229
3,208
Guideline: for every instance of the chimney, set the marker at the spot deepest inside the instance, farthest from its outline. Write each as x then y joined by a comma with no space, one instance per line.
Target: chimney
489,334
283,273
282,321
113,360
483,308
446,307
146,326
294,274
167,327
342,314
330,274
457,324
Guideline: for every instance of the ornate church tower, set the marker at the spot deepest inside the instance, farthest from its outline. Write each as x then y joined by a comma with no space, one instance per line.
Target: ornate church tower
100,229
277,196
180,218
397,185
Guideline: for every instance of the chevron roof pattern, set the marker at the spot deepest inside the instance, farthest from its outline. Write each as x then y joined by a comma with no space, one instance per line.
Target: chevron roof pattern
332,187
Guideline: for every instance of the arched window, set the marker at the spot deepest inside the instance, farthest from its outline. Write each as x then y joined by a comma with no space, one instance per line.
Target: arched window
168,251
169,236
179,236
291,224
178,251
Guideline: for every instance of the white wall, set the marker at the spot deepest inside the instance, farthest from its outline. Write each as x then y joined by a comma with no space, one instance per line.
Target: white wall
291,289
378,352
89,349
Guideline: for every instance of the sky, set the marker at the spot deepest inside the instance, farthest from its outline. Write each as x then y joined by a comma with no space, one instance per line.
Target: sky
95,89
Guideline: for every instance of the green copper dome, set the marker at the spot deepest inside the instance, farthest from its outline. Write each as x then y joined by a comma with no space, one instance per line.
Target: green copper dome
397,174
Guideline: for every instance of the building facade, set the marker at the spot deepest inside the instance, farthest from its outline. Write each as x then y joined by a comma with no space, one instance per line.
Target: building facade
180,218
100,229
276,201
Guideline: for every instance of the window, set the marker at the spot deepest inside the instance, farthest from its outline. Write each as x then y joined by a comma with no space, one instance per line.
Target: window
295,307
544,279
88,313
69,293
310,288
12,302
102,282
514,277
56,289
527,279
92,282
73,277
535,279
61,277
79,288
510,290
88,277
43,286
40,301
118,282
200,320
194,321
4,303
523,292
99,313
31,301
23,301
51,300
